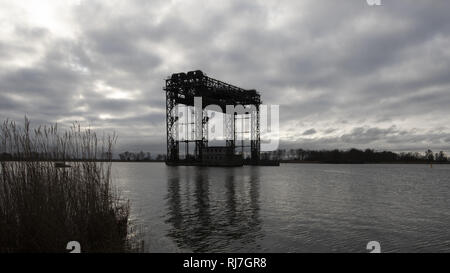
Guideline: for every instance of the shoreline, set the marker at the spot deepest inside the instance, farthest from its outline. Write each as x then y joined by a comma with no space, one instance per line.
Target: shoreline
281,162
361,163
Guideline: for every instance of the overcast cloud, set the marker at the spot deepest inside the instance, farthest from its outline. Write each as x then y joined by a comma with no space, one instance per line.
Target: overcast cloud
345,74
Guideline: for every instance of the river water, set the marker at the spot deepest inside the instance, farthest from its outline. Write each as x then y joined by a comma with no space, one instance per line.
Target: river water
291,208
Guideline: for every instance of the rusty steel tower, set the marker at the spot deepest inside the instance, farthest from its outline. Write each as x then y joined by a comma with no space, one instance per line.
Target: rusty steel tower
183,89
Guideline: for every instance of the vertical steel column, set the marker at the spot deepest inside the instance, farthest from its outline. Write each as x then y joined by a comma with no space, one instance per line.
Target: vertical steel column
171,120
230,129
198,116
255,135
205,120
187,132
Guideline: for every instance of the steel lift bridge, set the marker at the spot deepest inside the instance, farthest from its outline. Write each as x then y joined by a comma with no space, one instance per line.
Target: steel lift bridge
181,89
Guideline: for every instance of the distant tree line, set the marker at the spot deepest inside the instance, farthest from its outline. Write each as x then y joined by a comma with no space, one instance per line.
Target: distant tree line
355,156
289,155
141,156
106,156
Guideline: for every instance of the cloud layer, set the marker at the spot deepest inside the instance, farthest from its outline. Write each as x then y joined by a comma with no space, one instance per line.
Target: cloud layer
345,74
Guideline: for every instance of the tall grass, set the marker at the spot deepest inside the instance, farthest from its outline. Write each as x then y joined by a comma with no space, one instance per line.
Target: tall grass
42,207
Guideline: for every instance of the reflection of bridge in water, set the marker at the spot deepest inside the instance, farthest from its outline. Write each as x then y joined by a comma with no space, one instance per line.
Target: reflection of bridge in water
213,213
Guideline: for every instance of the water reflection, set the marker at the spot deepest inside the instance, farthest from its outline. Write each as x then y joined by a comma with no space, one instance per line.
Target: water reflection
292,208
218,212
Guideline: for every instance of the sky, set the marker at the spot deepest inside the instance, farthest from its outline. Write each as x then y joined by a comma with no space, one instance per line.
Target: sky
344,73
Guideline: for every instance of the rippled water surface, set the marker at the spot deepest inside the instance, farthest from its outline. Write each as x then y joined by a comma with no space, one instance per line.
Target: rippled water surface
291,208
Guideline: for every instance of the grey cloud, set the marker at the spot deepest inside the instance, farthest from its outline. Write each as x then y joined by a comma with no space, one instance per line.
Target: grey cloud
385,71
361,135
309,132
329,130
377,138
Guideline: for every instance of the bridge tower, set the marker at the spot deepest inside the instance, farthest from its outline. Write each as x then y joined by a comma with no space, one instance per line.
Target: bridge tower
182,89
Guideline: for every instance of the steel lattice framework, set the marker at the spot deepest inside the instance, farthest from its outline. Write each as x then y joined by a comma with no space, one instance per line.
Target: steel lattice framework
182,88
